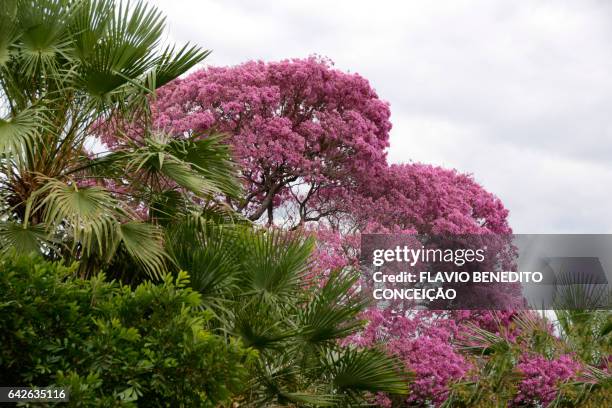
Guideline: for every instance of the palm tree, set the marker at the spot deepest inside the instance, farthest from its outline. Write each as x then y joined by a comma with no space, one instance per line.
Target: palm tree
66,67
258,285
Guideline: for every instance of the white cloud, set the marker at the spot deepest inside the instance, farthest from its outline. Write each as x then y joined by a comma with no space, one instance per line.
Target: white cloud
516,93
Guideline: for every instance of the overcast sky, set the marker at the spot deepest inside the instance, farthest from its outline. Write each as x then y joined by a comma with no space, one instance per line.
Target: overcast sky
517,93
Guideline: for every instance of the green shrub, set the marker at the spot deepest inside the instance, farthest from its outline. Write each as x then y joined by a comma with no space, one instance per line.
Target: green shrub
111,344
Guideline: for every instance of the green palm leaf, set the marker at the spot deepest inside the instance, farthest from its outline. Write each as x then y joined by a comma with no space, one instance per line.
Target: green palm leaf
144,242
19,132
274,264
210,158
93,217
263,327
124,48
89,212
205,250
203,167
120,59
8,29
333,312
43,41
88,24
23,239
174,63
310,399
367,370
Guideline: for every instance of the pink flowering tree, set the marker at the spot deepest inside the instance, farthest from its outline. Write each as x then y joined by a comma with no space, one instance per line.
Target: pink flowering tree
311,141
423,199
301,130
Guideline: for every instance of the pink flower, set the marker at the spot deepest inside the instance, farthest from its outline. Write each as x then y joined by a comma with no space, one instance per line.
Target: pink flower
542,377
423,341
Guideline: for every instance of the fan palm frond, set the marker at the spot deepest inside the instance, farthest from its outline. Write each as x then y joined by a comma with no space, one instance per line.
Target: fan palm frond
261,326
18,133
371,370
23,239
90,212
211,158
274,264
144,242
8,30
202,167
43,40
333,312
205,250
173,63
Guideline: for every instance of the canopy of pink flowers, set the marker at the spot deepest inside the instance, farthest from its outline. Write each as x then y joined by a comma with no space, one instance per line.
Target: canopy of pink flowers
291,123
429,200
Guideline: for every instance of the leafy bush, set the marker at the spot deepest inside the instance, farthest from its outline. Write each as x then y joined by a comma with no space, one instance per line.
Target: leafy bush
111,344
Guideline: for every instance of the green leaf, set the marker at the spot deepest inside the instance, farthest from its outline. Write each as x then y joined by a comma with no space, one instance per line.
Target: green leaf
206,251
202,167
88,24
606,329
274,263
317,400
144,242
333,312
42,41
123,51
368,370
173,63
8,29
19,132
212,159
22,239
90,212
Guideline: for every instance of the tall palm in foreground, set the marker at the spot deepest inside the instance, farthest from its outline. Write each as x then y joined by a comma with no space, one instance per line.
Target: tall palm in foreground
259,285
67,66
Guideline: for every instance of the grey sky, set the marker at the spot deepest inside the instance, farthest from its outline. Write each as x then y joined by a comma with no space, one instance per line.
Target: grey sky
516,93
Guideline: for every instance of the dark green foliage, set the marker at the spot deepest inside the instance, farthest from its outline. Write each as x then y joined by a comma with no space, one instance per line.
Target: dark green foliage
112,345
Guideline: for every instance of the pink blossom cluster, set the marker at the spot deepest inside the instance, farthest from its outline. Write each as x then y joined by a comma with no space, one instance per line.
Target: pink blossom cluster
423,341
499,322
333,250
430,200
542,377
